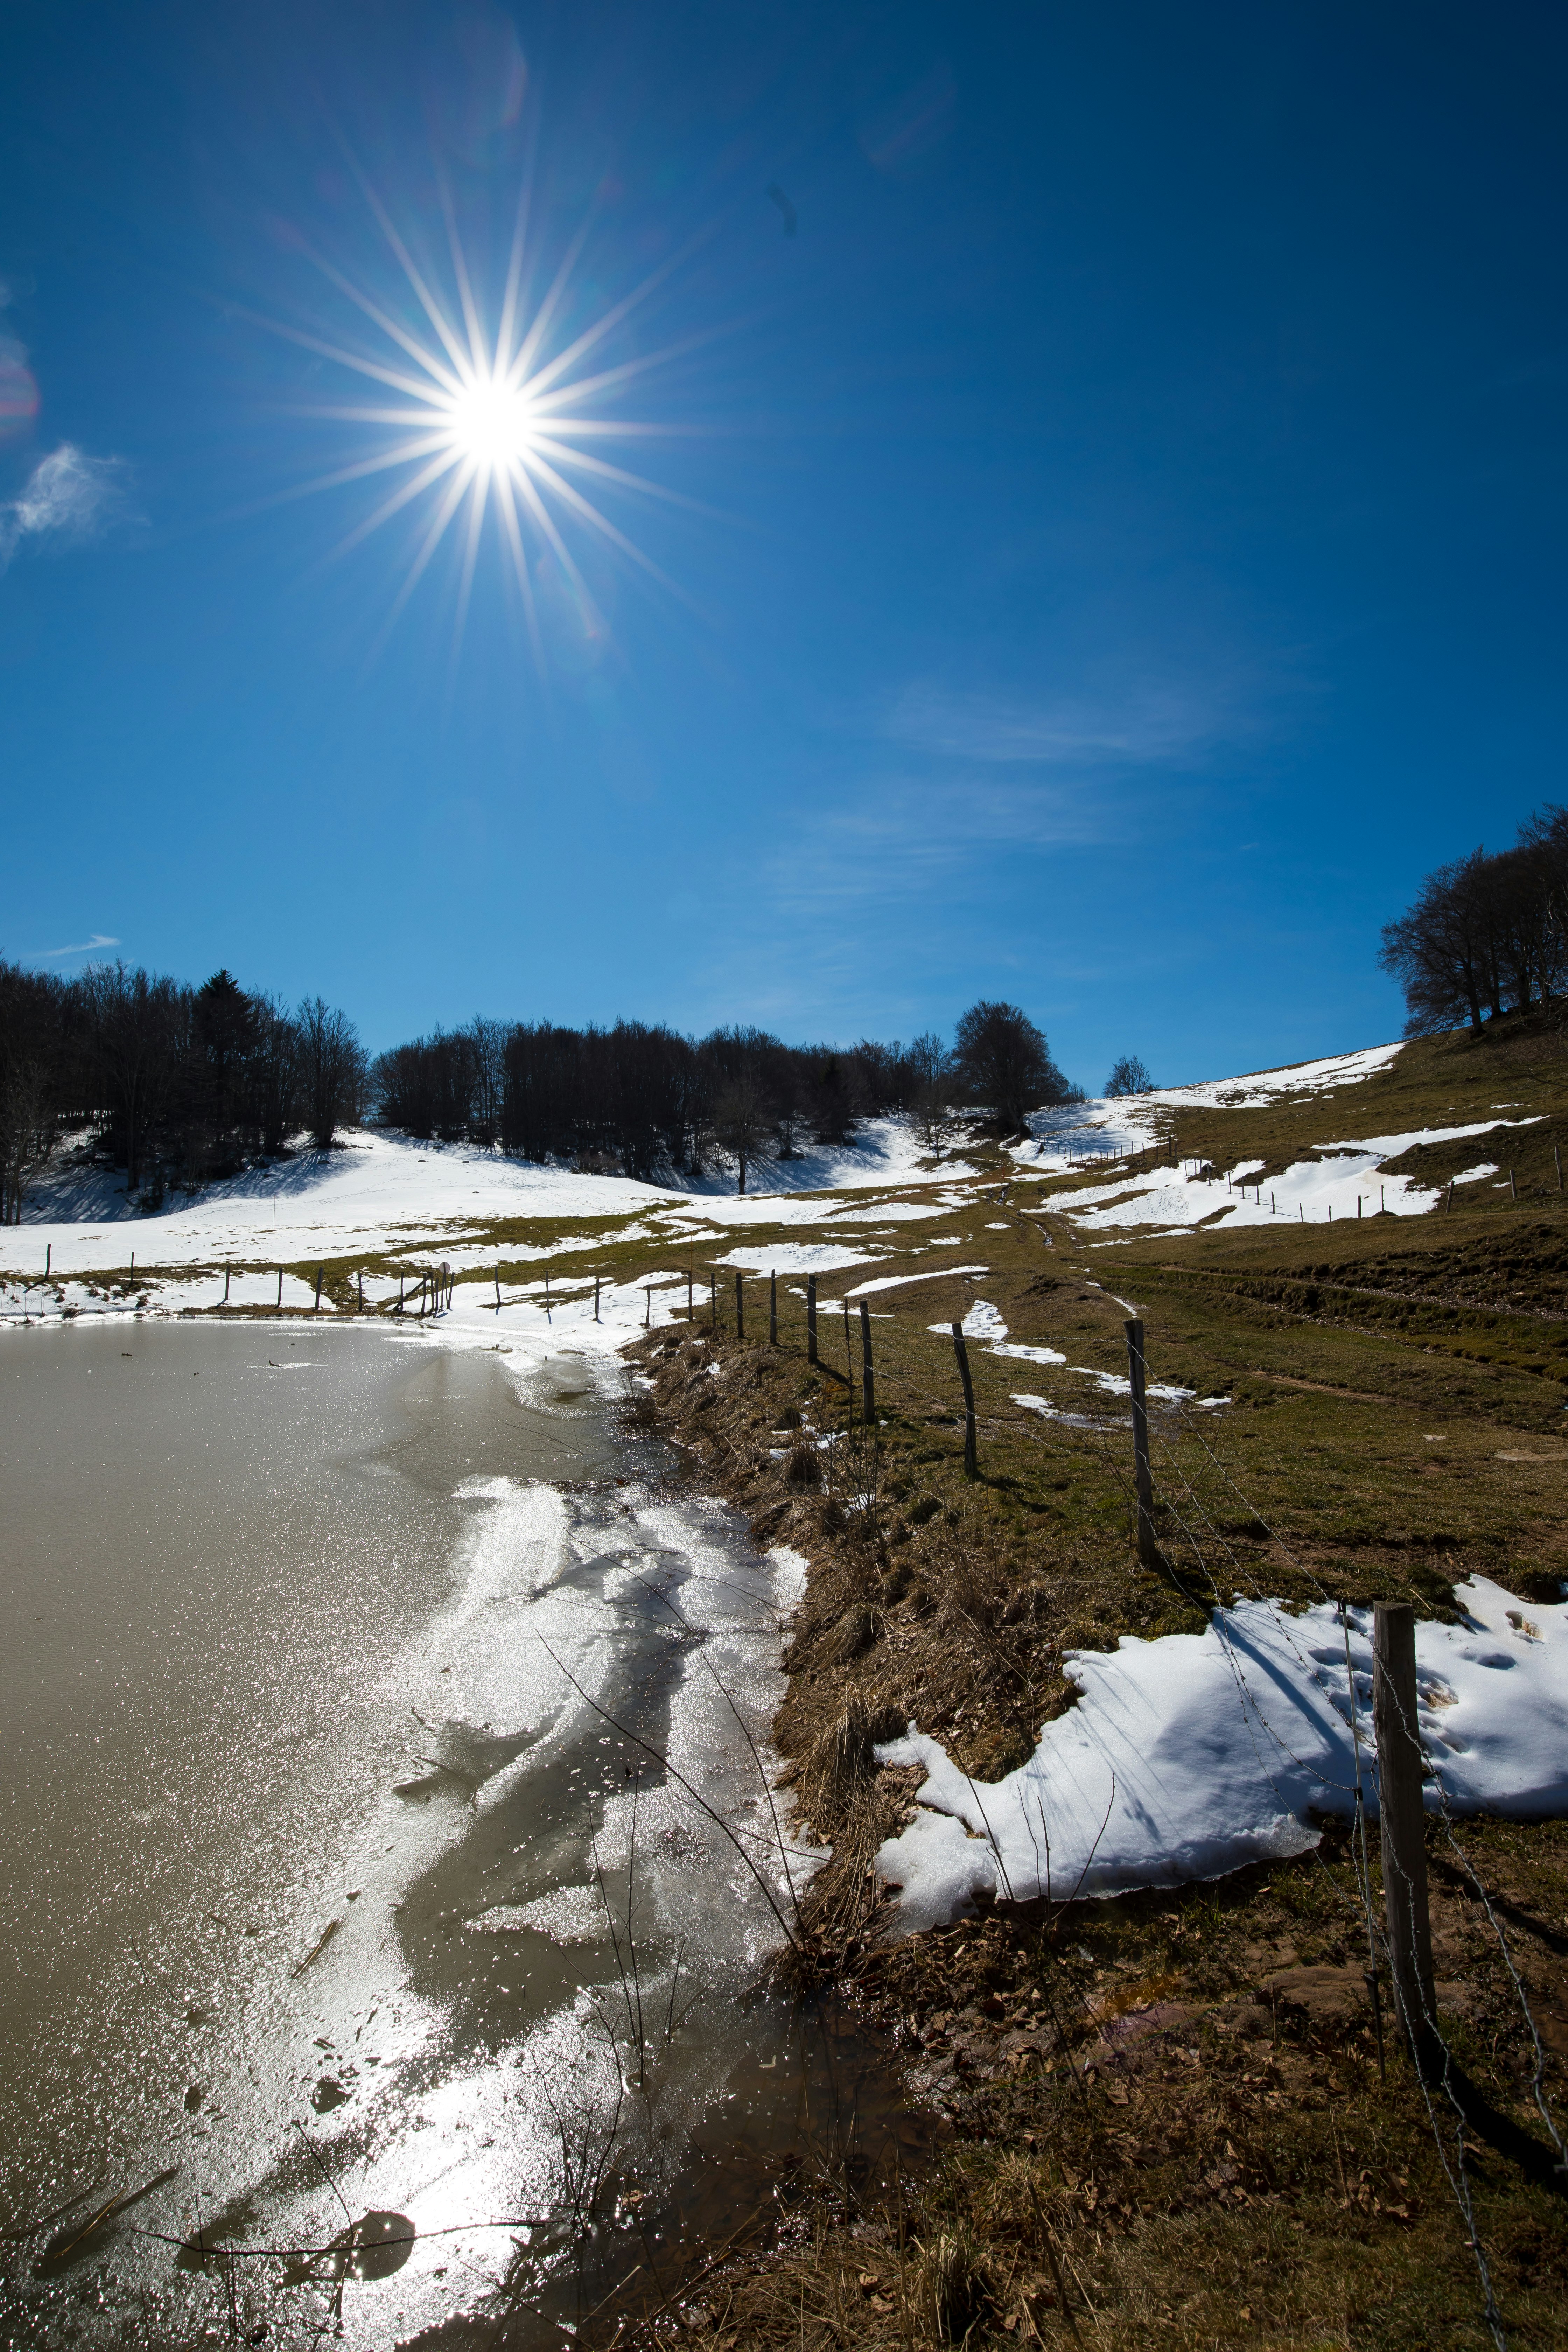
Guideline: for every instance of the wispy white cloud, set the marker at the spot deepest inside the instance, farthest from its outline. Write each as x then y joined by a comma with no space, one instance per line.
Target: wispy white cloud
68,499
1146,724
79,947
906,839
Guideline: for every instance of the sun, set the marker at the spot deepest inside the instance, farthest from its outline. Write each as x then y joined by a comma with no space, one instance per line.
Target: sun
487,419
493,423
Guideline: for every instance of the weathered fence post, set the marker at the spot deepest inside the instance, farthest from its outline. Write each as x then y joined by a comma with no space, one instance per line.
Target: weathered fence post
595,1299
362,1290
320,1272
848,1359
772,1310
647,1308
1148,1550
227,1278
281,1290
970,1450
1402,1820
868,1376
689,1279
549,1317
49,1247
498,1290
1512,1187
400,1294
811,1319
740,1310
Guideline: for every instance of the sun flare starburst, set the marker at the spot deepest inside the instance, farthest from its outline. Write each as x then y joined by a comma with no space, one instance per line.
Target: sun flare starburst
492,424
490,419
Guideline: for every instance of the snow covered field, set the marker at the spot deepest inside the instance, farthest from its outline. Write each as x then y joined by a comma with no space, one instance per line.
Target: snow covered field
382,1194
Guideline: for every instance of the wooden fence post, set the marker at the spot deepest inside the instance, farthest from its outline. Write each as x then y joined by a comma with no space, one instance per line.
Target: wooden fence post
548,1315
690,1279
868,1376
811,1319
595,1299
970,1448
772,1310
228,1276
1512,1187
281,1290
739,1309
1402,1821
49,1247
400,1294
498,1290
1148,1550
647,1308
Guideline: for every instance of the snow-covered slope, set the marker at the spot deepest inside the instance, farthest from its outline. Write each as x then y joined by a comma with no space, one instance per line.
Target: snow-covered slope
1343,1177
378,1191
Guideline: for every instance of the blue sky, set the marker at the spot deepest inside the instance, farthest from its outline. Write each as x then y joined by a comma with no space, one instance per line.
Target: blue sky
1103,558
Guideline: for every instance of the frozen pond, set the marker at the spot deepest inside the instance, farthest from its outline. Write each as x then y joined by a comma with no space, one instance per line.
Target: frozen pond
328,1898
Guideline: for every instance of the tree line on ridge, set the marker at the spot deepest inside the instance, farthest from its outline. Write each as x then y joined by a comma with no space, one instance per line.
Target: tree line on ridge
181,1086
1486,934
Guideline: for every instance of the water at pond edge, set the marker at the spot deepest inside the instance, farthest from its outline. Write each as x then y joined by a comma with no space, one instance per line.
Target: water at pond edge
337,1877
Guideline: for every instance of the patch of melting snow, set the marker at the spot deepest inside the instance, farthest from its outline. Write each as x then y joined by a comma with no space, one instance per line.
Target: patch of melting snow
927,1273
1189,1756
983,1322
1049,1411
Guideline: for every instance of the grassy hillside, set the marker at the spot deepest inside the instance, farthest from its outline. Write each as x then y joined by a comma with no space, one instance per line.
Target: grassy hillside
1169,2120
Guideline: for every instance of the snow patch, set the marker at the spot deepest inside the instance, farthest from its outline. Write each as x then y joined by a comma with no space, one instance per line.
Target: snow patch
1189,1756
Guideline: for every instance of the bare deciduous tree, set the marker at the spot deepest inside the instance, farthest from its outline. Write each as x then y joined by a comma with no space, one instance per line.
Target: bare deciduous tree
333,1071
742,1123
1005,1063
